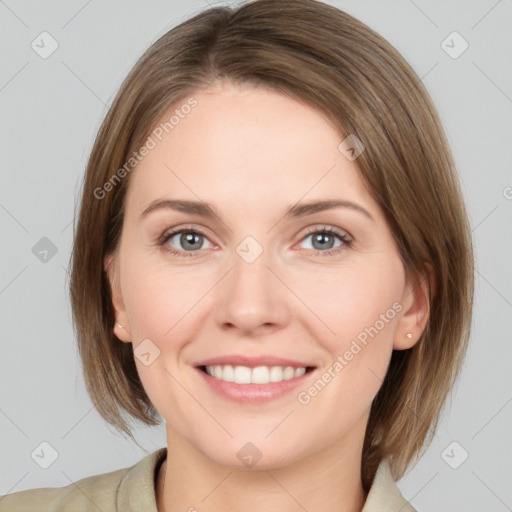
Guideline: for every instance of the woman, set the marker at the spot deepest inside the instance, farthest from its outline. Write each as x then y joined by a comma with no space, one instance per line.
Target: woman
273,254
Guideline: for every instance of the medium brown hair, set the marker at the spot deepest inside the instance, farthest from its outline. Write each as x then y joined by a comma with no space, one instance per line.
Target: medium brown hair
319,55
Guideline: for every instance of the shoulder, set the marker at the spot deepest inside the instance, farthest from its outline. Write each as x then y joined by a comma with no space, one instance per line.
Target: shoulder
106,492
85,494
384,495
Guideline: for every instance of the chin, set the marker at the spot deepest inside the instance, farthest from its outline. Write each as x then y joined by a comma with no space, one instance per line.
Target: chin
255,455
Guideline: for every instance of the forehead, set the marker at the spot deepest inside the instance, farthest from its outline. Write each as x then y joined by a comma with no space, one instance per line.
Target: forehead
245,146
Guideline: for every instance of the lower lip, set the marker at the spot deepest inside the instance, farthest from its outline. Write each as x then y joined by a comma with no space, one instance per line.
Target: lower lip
253,393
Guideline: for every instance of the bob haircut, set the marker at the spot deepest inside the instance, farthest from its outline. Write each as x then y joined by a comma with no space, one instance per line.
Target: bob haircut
325,58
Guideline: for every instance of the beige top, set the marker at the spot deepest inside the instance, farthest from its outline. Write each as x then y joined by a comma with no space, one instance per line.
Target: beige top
133,490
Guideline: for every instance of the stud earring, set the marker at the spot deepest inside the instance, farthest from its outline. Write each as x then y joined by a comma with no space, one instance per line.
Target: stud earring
119,325
409,335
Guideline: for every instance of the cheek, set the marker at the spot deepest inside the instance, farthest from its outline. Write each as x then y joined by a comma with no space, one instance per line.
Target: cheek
360,305
164,305
352,299
162,301
338,304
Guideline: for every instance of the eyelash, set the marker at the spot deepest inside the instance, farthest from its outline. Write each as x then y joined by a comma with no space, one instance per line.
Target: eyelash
162,241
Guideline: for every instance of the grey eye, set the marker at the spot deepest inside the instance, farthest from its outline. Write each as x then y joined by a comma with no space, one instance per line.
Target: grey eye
188,240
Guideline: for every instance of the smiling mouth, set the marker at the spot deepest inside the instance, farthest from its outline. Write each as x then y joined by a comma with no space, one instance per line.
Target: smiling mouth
256,375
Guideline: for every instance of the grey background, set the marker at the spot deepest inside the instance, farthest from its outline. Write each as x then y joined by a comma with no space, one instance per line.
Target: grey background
51,110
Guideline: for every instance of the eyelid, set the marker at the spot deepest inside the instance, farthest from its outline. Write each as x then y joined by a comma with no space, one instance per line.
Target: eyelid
172,232
342,234
345,238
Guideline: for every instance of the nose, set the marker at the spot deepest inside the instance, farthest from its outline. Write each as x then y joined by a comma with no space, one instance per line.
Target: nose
252,298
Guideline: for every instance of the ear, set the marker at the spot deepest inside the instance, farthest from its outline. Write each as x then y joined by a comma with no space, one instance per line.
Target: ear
415,310
121,326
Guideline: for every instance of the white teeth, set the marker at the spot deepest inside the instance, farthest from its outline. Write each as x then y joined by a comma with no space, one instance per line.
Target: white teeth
289,373
228,374
260,375
299,372
276,374
242,374
257,375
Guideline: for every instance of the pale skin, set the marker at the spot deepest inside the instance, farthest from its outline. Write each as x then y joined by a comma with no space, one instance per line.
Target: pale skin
253,153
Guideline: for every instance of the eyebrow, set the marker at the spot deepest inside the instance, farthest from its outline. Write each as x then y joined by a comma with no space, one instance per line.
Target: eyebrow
207,210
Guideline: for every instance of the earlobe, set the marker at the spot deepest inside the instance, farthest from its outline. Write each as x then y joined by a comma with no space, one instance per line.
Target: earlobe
122,333
415,314
121,327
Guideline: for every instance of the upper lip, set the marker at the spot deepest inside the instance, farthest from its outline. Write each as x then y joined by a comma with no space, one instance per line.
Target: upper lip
252,361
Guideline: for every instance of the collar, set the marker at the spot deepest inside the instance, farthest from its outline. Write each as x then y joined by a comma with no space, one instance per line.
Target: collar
137,488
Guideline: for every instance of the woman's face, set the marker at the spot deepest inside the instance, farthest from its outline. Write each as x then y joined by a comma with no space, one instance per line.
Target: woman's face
259,283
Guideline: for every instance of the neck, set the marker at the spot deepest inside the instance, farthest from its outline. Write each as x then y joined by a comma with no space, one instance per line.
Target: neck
324,482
